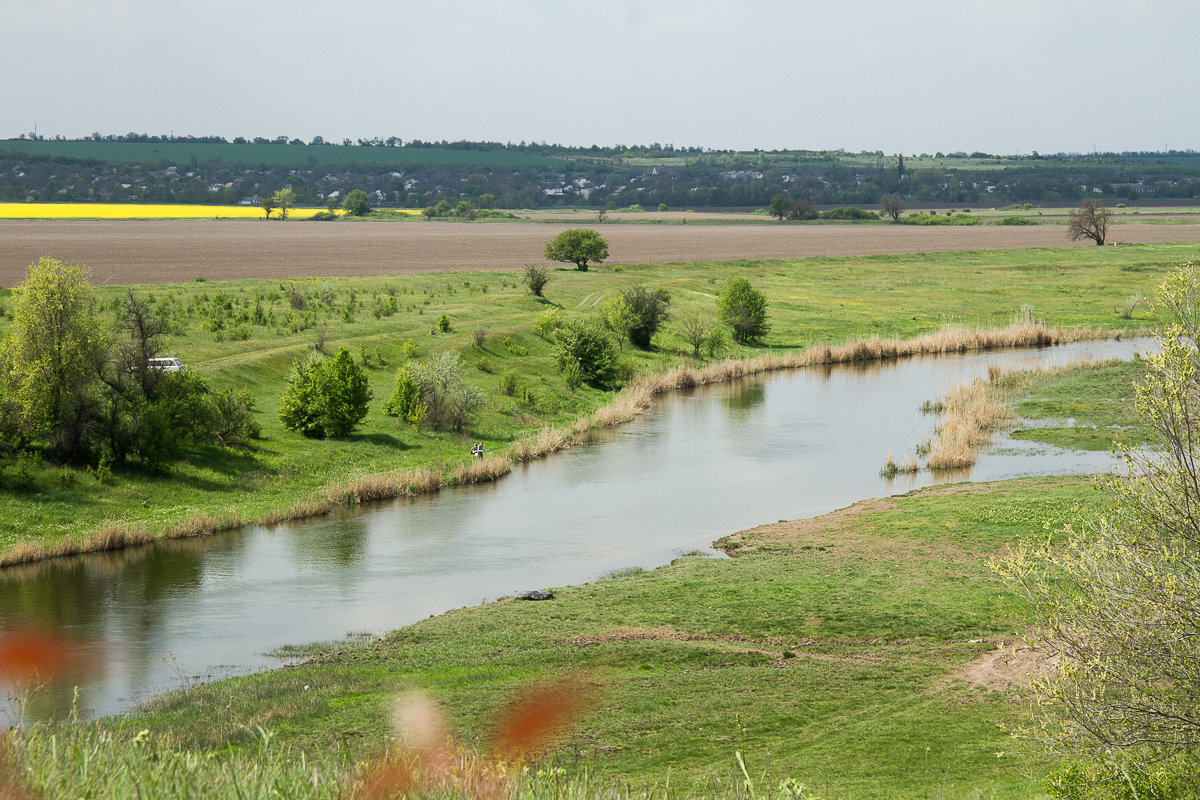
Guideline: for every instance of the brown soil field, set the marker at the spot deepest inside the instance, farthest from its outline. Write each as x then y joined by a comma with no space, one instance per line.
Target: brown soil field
134,252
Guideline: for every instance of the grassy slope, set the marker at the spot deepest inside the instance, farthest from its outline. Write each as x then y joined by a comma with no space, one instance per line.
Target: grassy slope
811,301
828,652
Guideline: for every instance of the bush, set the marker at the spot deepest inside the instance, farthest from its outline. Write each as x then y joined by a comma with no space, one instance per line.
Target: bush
848,212
584,351
325,397
448,398
535,279
744,309
1016,219
547,323
443,324
937,219
696,327
405,401
648,311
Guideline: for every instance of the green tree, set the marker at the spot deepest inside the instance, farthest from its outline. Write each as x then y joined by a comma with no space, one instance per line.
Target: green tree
647,312
405,401
56,345
1117,597
618,317
577,246
779,206
356,203
582,348
284,199
744,309
325,397
268,205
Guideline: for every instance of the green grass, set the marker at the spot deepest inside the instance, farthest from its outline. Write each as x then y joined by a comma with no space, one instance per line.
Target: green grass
810,301
829,652
1099,398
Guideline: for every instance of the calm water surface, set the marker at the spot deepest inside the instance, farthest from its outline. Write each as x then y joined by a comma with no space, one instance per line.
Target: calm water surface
702,465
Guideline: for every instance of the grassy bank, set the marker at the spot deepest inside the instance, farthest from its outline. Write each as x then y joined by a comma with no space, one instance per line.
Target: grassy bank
867,653
248,333
1086,407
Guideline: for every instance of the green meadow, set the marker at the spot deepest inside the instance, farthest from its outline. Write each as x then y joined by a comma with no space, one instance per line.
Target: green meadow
869,653
250,333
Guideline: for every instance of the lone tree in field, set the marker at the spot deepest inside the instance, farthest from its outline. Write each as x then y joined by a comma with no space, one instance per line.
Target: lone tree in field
357,204
779,206
892,206
577,246
744,309
268,205
284,199
1117,599
1090,221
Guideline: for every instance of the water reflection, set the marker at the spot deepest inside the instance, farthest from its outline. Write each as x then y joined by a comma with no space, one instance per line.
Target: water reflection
704,464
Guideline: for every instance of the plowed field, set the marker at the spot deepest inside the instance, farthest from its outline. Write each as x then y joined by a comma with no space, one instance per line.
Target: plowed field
131,252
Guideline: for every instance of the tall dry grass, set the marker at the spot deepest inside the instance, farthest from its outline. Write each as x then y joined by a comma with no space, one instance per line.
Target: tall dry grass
384,486
483,470
969,415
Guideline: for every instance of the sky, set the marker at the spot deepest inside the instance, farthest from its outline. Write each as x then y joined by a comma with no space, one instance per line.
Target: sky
1001,76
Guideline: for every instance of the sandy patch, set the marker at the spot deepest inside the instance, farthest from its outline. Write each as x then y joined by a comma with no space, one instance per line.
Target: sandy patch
1012,665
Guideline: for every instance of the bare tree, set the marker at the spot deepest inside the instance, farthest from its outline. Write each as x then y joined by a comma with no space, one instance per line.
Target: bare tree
1090,221
695,327
892,206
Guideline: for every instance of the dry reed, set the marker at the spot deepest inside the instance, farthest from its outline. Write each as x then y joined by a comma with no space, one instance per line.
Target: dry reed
484,470
541,444
969,415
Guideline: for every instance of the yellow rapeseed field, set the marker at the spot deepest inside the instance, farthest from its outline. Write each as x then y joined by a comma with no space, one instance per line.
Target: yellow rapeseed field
142,211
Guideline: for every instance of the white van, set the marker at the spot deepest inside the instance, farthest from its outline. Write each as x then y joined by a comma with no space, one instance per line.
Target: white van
166,364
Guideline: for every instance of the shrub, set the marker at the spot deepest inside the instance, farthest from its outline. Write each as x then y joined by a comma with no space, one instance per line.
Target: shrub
583,350
443,324
535,279
695,327
479,336
744,309
405,401
547,323
448,398
937,219
848,212
1016,219
649,312
325,397
507,382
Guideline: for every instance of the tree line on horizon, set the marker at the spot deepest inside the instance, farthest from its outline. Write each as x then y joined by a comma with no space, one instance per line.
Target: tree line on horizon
555,176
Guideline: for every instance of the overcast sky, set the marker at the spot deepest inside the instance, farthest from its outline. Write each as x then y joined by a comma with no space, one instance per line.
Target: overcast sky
1002,76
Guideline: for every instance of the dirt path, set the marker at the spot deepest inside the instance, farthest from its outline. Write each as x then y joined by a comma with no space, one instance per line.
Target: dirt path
130,252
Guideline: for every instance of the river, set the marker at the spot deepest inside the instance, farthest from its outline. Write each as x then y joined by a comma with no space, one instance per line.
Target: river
704,463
